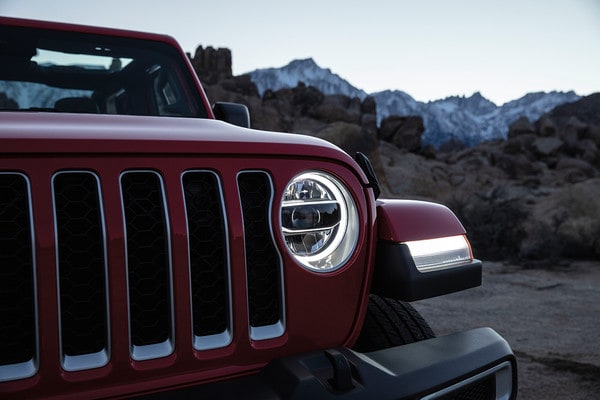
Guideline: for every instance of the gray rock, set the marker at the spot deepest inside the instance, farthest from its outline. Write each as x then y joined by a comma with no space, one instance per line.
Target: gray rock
404,132
546,146
521,126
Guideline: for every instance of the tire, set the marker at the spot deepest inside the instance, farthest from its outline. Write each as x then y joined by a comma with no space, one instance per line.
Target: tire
390,323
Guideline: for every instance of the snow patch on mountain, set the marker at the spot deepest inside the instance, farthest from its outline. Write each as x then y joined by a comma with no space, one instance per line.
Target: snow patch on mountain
469,120
308,72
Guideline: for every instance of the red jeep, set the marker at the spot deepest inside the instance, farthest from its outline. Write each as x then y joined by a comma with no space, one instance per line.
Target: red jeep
152,246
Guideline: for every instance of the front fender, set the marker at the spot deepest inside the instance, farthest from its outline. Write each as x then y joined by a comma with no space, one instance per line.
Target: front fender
407,220
397,275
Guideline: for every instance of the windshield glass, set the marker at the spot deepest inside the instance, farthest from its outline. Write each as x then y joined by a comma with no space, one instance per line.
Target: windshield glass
54,71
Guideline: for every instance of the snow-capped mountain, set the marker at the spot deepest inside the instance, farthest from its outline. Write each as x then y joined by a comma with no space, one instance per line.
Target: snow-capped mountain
306,71
469,120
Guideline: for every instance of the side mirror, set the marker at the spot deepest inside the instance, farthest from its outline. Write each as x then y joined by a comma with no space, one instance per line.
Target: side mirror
234,113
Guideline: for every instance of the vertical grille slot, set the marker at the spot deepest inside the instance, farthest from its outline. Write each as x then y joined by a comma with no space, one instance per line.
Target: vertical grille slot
209,263
81,270
18,336
148,265
263,262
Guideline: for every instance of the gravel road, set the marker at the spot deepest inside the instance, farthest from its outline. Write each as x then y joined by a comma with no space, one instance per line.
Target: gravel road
550,317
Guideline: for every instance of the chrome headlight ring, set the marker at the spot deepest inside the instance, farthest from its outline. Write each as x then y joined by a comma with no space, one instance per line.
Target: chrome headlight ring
319,221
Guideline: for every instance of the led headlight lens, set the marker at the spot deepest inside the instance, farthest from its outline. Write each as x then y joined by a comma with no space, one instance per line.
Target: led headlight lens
440,253
319,221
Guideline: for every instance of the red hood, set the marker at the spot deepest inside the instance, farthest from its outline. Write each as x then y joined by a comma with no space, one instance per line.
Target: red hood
43,133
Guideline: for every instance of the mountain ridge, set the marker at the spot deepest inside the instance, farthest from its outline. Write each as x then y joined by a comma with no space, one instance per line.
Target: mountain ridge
469,120
307,71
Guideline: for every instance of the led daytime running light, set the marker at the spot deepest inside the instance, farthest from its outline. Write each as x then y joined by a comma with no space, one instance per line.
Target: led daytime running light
440,253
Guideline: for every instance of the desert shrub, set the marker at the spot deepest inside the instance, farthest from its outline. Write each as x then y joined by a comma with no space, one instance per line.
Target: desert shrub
493,223
579,227
566,225
541,242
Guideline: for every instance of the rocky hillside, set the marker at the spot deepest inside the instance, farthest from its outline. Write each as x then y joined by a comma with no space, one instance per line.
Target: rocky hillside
532,196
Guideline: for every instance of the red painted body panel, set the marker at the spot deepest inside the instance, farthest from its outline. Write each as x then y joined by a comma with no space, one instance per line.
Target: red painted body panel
39,133
405,220
322,310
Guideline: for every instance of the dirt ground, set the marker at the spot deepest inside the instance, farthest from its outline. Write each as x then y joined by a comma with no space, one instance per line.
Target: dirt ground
550,317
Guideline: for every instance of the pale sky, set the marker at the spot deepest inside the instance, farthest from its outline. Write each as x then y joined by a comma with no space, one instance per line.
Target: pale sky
430,49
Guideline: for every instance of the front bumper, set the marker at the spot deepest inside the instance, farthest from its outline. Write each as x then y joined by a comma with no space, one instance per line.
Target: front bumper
476,364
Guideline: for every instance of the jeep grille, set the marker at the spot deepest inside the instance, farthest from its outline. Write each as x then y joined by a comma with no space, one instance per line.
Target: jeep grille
262,260
81,270
18,340
148,264
83,273
209,262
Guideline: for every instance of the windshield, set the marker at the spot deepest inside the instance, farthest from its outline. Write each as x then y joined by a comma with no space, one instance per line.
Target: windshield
54,71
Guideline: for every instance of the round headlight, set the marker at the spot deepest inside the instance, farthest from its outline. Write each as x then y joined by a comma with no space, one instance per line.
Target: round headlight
319,221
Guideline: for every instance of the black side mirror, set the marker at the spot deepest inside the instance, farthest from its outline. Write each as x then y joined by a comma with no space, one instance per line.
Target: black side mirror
234,113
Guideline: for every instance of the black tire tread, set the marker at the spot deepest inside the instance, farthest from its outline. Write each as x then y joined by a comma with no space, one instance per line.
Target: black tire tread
390,323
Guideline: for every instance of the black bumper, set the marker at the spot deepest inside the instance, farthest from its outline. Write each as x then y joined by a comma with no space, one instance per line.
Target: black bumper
476,364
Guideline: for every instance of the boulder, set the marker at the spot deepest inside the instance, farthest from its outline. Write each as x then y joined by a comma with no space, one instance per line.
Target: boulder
516,166
521,126
587,150
404,132
242,85
546,146
575,170
412,176
369,106
594,133
347,136
212,65
305,99
545,126
338,108
518,144
571,132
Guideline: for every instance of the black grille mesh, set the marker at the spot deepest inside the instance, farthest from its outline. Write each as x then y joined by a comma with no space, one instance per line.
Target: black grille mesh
81,263
17,309
262,261
484,389
208,253
147,258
